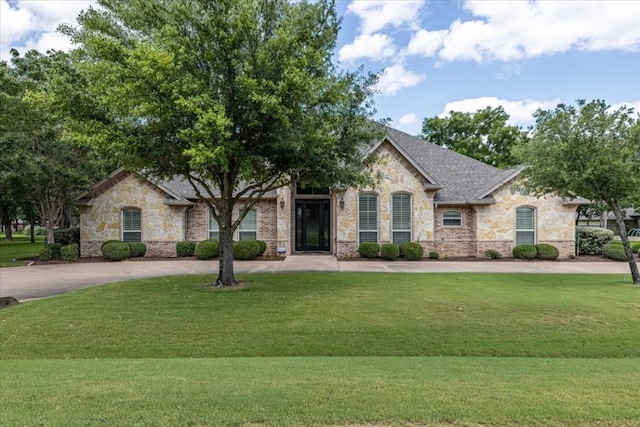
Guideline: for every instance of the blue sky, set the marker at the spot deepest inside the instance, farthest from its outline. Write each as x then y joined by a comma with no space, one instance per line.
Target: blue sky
438,56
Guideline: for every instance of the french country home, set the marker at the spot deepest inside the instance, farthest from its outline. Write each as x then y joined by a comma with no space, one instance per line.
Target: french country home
445,201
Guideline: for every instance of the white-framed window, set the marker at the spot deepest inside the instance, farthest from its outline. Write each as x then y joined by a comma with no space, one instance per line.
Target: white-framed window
214,228
401,218
368,217
248,228
452,219
525,225
131,225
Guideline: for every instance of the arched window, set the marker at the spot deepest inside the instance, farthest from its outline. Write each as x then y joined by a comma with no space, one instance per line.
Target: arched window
132,225
368,217
525,225
248,229
214,228
452,219
401,218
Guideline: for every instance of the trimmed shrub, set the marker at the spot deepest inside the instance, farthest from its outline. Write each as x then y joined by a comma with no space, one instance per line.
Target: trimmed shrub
434,255
110,241
389,251
67,236
69,253
45,254
635,246
402,246
369,250
56,249
263,247
547,252
493,254
138,249
591,240
207,249
185,249
614,252
526,251
412,250
246,249
116,251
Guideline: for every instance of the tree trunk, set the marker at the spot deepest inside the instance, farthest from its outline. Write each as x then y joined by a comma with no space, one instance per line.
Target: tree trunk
50,226
617,211
32,232
603,219
226,275
6,222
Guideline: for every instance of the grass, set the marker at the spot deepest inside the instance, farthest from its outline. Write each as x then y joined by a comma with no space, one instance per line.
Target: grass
19,247
328,349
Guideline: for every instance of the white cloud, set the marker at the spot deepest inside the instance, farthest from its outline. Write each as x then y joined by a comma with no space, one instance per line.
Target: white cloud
633,104
376,15
397,77
373,46
408,119
513,30
426,43
409,123
31,24
520,112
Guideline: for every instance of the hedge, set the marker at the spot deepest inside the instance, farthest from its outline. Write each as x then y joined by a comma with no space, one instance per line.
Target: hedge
526,251
69,253
493,254
138,249
263,247
67,236
591,240
547,252
369,250
45,254
246,249
116,251
614,252
207,249
185,249
412,251
110,241
56,249
434,255
389,251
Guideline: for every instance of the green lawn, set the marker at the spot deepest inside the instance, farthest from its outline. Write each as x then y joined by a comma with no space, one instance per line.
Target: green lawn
19,247
328,349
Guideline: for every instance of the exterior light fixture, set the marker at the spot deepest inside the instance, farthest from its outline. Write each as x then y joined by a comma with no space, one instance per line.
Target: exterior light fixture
341,203
282,203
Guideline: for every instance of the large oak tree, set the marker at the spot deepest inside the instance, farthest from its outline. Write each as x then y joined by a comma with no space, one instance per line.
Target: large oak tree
590,151
238,96
484,135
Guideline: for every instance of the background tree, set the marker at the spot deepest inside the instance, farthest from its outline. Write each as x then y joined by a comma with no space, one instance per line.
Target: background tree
588,151
44,167
238,96
483,135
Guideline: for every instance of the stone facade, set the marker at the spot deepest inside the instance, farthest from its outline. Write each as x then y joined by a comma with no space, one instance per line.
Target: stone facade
555,221
162,225
399,176
170,218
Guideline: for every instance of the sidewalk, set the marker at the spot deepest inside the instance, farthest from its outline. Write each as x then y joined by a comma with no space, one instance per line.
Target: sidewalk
40,281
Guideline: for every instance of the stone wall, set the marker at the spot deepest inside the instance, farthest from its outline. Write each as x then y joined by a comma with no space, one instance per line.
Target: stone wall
398,176
496,223
102,221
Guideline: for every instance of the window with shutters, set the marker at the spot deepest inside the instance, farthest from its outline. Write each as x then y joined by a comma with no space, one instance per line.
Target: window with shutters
248,229
401,218
214,229
132,225
368,217
452,219
525,225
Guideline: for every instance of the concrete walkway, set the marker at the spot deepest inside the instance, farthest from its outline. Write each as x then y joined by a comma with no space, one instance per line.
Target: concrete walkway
40,281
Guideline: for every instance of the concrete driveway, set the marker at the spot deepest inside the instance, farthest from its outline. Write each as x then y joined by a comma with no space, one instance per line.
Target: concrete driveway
38,281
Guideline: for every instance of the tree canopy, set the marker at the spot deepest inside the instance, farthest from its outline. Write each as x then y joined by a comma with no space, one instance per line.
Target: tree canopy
484,135
238,96
589,151
43,168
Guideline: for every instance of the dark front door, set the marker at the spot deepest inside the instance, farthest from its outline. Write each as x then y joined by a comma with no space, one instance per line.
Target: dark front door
312,225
